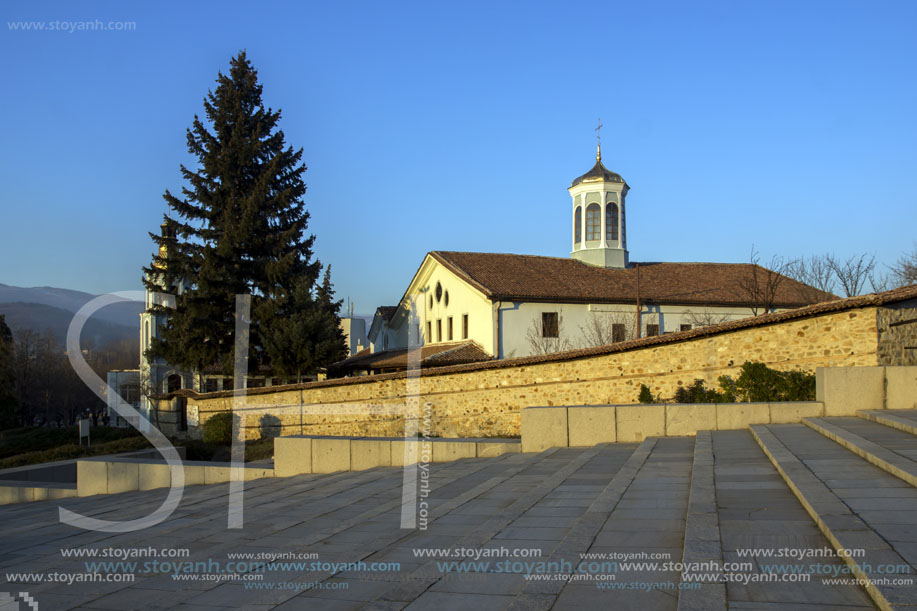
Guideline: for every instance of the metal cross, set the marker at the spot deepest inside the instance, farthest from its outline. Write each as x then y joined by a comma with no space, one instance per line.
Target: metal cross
598,131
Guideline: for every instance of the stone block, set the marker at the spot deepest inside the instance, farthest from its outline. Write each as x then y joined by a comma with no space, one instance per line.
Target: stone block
217,475
91,477
686,419
444,451
637,422
123,476
733,416
258,473
154,475
330,455
61,493
369,453
844,390
194,474
543,428
590,425
10,495
793,412
900,387
292,456
410,451
489,449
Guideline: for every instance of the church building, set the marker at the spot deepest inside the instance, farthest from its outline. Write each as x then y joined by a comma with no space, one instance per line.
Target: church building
496,305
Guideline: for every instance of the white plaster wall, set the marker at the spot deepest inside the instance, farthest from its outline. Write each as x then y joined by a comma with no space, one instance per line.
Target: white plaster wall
517,318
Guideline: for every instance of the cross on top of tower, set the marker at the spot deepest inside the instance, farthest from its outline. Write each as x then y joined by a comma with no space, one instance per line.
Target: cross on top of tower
598,135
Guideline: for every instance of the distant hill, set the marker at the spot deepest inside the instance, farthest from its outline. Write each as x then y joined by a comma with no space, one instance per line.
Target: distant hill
43,318
125,313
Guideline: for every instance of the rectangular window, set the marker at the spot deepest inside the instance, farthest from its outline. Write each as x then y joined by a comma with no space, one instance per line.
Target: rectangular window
439,329
227,384
652,330
255,383
618,332
210,385
429,332
686,327
449,328
464,326
550,326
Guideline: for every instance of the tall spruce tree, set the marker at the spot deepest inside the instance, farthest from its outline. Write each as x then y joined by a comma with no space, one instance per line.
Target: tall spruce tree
238,228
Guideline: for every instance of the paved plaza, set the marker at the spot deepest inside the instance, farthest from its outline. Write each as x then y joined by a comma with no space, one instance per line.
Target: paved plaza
567,528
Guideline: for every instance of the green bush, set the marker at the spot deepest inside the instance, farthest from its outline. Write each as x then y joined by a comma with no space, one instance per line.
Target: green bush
756,383
760,383
646,395
698,393
218,429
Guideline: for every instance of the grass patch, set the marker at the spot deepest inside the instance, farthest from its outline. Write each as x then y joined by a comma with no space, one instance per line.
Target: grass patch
72,450
31,446
35,439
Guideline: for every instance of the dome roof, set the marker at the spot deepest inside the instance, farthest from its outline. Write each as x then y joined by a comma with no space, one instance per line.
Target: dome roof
598,173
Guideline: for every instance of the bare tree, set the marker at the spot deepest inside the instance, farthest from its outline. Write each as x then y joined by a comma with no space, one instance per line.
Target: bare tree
852,273
905,270
814,275
544,342
759,287
703,318
603,328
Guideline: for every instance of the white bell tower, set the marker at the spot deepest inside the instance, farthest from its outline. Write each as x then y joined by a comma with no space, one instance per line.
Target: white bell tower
599,230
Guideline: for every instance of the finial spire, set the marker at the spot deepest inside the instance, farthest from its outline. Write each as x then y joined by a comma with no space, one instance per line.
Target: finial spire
598,135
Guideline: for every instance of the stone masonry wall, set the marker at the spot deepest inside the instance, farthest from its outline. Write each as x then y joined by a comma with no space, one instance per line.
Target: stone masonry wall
897,330
487,402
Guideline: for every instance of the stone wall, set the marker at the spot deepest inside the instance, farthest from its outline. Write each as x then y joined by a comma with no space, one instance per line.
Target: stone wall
897,330
486,400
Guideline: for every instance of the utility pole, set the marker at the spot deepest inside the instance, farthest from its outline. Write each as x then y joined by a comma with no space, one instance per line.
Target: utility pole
639,322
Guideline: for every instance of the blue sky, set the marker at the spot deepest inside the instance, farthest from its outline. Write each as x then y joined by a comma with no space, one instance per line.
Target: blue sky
433,126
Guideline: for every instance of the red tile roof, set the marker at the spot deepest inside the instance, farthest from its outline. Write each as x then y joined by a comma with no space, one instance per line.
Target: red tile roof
534,278
431,355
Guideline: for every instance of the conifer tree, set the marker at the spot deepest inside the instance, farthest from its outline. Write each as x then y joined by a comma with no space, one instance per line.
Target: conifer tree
239,227
305,334
9,401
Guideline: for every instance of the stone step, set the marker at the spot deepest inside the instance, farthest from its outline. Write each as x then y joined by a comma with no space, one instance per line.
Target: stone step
856,505
759,518
886,448
702,530
903,419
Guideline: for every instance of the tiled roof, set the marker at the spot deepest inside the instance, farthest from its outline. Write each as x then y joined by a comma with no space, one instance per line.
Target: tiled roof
431,355
386,312
534,278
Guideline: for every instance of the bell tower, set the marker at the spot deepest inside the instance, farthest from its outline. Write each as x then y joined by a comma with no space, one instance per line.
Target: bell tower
599,230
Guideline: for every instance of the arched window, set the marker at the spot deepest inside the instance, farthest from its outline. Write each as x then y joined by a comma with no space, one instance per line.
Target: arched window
611,222
593,222
578,225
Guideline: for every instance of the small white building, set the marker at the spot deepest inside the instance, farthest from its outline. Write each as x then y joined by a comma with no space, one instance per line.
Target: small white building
517,305
126,383
354,329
